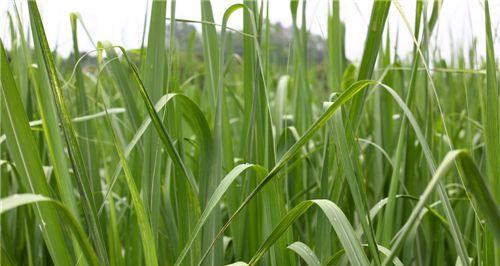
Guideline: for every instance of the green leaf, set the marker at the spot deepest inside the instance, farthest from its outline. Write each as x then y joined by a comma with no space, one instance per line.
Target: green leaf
22,149
143,218
18,200
75,154
214,200
337,219
305,253
374,34
479,190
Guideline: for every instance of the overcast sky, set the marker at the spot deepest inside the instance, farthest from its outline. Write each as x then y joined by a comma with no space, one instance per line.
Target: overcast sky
121,21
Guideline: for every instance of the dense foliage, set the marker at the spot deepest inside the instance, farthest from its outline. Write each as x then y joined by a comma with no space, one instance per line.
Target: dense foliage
263,145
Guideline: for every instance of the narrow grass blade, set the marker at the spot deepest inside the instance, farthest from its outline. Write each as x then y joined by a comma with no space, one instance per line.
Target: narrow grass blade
19,200
374,35
339,222
305,253
492,132
480,192
73,147
85,130
214,200
195,119
20,145
351,168
153,68
143,219
476,184
160,128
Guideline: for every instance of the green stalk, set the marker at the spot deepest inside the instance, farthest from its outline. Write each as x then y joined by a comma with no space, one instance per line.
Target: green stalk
373,40
85,130
74,151
492,127
20,146
152,75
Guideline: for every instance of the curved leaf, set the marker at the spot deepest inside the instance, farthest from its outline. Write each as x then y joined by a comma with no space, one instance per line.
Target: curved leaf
305,253
482,194
19,200
337,219
194,117
214,199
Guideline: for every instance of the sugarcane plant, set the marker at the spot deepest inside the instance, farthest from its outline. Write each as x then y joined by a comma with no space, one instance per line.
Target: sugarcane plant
226,145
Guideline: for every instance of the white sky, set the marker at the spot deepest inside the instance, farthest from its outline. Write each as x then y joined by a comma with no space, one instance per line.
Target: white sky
121,21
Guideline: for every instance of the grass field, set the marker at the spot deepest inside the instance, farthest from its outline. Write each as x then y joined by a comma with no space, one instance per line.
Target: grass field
194,152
